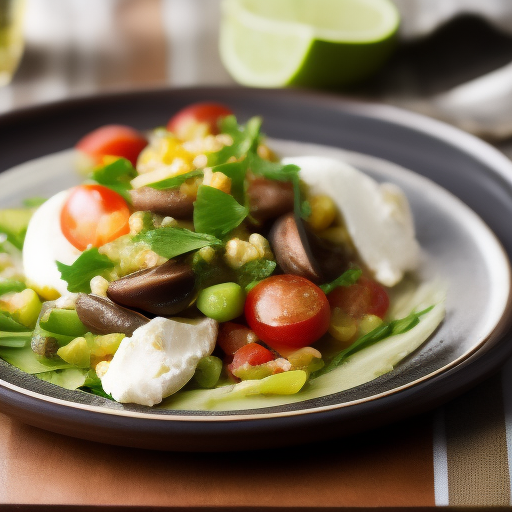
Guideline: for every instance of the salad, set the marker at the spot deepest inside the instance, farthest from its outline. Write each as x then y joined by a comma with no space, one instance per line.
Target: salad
193,266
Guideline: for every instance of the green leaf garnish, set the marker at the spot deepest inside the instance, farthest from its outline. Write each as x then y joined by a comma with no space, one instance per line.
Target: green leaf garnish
175,181
11,285
116,176
348,278
15,339
236,172
89,264
216,212
253,272
272,170
170,242
34,202
383,331
245,138
7,323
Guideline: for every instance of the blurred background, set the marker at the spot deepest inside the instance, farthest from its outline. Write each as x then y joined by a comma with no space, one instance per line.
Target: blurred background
453,60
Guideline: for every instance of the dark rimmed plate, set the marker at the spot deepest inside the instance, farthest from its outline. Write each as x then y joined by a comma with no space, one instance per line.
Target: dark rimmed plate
382,140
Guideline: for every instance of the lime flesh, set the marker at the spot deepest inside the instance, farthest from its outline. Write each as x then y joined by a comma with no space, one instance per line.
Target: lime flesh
272,43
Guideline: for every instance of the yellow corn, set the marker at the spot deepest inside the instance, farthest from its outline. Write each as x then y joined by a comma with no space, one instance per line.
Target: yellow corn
342,326
221,182
368,323
323,212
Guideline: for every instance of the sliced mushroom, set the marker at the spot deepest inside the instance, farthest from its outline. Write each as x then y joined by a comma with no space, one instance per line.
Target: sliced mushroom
269,199
102,316
304,254
170,202
163,290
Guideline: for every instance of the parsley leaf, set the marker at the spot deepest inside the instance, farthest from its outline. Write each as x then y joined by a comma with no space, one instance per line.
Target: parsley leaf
116,176
252,272
170,242
236,172
89,264
175,181
245,139
216,212
383,331
348,278
272,170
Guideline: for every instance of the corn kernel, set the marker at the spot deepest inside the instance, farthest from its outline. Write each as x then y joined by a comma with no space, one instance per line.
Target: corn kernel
99,286
323,212
207,253
101,368
200,161
221,182
368,323
239,252
342,326
262,246
189,187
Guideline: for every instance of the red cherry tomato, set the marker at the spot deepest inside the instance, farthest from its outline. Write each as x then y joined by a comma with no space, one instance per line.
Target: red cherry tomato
366,297
199,113
252,354
233,336
94,215
287,311
115,140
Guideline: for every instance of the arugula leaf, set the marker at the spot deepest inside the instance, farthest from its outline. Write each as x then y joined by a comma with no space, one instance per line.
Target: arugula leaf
170,242
245,138
116,176
252,272
175,181
89,264
348,278
216,212
383,331
272,170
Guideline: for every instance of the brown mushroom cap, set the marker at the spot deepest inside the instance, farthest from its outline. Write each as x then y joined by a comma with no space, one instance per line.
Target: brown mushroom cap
170,202
164,290
269,199
102,316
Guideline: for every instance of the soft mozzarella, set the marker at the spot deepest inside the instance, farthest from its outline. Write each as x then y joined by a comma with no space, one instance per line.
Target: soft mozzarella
45,244
158,359
377,216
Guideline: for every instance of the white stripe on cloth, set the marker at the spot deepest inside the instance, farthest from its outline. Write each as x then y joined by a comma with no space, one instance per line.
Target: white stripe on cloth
440,459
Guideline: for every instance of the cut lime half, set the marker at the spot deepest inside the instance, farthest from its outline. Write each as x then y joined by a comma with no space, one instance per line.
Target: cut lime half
273,43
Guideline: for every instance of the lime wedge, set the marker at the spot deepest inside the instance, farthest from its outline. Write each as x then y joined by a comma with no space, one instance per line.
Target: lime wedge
273,43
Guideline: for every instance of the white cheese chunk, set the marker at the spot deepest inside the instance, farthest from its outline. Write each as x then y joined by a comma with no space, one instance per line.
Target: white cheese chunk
158,359
377,216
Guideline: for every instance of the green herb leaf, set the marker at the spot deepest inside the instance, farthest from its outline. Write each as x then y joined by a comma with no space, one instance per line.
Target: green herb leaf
349,277
170,242
11,285
34,202
175,181
272,170
116,176
245,138
236,172
383,331
254,271
216,212
89,264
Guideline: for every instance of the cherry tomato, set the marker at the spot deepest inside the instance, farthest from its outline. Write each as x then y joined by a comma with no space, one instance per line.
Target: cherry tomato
287,311
94,215
252,354
209,114
366,297
233,336
114,140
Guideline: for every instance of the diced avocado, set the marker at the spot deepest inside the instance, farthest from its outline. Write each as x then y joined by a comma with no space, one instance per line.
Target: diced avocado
25,307
76,352
14,223
63,321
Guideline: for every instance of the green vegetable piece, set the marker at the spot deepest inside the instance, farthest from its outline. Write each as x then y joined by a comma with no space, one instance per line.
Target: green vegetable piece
236,172
89,264
11,285
286,383
15,339
216,212
76,353
252,272
170,242
208,372
25,307
116,176
62,339
222,302
28,362
175,181
14,223
34,202
7,323
69,378
272,170
104,345
348,278
62,321
257,372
